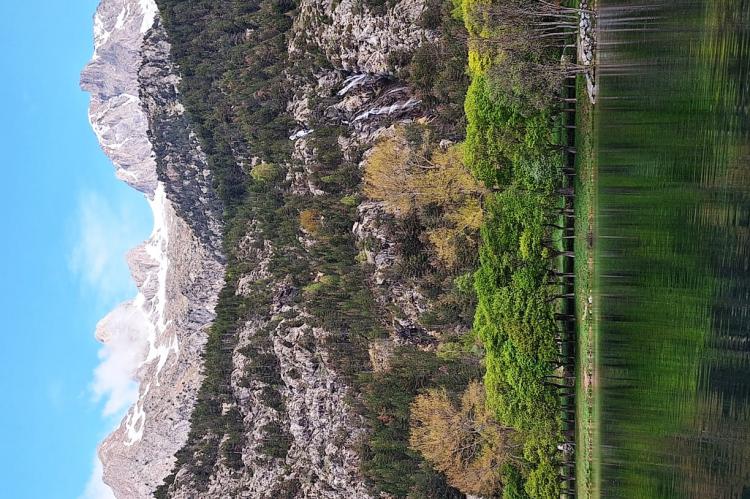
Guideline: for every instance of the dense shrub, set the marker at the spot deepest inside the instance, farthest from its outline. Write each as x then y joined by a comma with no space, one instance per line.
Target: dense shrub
510,146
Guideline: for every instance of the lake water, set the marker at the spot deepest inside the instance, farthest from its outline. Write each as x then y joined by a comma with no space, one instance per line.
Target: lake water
673,248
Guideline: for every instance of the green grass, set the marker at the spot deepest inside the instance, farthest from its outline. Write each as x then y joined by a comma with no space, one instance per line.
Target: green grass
587,397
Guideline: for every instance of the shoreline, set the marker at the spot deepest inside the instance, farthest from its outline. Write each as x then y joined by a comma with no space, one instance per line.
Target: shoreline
586,300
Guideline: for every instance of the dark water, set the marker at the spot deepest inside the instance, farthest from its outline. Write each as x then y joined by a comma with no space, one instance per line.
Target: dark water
673,248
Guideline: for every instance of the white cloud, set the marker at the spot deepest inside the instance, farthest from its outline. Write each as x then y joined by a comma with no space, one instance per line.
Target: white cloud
104,230
96,488
125,331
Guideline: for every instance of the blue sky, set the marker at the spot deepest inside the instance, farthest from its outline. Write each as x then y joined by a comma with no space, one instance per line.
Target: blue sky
66,223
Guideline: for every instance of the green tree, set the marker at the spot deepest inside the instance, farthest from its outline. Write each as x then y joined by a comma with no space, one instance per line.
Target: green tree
543,482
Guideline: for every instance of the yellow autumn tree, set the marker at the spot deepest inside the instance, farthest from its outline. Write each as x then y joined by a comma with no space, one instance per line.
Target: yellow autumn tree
464,440
309,220
388,176
444,180
404,179
443,240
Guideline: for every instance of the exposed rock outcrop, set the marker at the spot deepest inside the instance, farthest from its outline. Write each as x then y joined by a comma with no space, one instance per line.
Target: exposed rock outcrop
111,77
301,433
587,48
355,39
368,105
137,116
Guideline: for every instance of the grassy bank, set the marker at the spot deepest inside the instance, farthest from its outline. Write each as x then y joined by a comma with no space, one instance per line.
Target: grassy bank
586,299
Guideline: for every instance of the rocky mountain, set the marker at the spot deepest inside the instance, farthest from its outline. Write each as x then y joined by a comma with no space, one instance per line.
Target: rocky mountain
272,293
180,269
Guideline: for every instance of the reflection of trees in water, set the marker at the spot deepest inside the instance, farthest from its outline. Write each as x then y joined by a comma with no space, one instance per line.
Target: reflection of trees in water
715,454
716,450
676,192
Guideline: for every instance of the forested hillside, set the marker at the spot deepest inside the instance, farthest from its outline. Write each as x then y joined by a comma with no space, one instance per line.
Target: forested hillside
390,321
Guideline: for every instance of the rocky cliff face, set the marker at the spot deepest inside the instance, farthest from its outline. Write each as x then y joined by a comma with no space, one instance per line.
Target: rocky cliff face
111,77
136,114
353,37
300,432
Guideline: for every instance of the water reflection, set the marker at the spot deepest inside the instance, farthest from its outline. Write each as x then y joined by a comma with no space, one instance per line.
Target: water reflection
673,248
